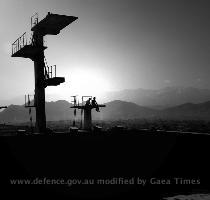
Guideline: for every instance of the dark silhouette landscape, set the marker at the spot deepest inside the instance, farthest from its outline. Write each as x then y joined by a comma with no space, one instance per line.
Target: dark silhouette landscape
115,110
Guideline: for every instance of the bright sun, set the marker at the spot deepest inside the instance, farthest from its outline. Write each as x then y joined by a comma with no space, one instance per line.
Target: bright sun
81,82
89,82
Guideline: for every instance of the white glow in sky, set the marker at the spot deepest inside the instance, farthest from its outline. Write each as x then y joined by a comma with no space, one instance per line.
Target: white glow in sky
114,45
81,82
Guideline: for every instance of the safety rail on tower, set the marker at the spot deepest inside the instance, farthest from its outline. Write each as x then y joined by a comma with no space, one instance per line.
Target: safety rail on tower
34,20
25,48
50,74
19,43
29,101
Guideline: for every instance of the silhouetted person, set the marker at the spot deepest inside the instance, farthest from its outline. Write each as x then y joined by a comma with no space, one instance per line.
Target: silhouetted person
88,102
95,104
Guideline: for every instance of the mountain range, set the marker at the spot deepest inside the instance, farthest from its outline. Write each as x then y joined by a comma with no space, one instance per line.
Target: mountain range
161,98
158,99
114,110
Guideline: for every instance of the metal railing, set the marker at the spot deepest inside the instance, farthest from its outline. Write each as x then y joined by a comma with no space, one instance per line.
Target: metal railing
84,98
50,72
19,43
29,100
34,20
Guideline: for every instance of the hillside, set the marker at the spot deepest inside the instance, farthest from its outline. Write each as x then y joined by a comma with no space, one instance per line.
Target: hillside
188,111
60,110
162,98
114,110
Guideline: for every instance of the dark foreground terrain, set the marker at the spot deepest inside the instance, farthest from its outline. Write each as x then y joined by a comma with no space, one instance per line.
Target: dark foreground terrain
105,165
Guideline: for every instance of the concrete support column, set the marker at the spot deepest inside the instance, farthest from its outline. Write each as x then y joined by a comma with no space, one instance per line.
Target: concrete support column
39,86
87,119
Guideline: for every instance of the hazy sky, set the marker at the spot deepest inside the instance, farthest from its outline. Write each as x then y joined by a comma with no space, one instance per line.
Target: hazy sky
114,45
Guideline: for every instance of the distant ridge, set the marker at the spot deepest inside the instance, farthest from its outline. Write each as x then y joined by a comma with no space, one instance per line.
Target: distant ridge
188,111
59,110
115,110
162,98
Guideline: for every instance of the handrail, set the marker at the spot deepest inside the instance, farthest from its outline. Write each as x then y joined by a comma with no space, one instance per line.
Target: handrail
50,72
19,38
28,101
34,20
19,43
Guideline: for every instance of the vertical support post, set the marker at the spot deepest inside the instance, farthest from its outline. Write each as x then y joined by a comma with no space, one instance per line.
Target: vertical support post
50,71
29,102
39,86
18,44
55,70
87,119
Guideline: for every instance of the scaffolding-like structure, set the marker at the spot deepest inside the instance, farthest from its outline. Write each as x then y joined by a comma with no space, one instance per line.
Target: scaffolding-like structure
87,109
33,49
